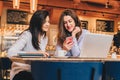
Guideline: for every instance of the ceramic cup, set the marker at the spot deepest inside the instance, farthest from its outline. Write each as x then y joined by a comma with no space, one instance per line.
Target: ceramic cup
60,53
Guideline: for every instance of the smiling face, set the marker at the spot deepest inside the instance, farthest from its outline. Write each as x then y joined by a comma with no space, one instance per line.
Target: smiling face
46,24
69,23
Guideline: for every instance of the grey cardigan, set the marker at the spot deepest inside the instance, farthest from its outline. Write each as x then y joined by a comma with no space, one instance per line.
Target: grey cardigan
24,44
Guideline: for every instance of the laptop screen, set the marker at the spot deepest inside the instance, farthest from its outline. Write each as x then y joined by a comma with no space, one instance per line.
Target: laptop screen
96,45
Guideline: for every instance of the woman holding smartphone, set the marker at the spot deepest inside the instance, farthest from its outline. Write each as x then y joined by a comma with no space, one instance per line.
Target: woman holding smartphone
71,34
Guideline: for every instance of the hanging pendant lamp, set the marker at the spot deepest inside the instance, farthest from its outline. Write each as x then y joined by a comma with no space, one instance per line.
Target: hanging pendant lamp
16,4
33,5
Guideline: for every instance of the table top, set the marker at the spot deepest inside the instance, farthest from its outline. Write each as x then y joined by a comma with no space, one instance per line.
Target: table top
66,59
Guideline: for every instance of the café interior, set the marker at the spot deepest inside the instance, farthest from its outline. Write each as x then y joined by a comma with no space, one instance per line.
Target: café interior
97,16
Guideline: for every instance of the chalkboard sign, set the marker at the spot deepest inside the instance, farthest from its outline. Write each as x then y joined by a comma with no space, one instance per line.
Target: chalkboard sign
17,17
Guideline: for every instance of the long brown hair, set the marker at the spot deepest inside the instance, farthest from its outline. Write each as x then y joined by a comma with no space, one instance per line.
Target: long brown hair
62,32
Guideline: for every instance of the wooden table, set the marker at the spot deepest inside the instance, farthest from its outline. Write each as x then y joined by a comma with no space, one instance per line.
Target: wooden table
71,59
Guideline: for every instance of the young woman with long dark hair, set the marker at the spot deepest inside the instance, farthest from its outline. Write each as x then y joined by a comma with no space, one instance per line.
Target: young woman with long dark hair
32,40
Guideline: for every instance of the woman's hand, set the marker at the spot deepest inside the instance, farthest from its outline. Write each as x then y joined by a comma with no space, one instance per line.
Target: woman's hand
44,53
68,43
75,31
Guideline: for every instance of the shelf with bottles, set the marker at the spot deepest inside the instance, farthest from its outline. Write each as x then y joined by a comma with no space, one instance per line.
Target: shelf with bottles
12,29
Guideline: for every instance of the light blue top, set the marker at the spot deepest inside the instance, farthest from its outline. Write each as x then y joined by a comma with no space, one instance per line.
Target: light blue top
75,51
24,44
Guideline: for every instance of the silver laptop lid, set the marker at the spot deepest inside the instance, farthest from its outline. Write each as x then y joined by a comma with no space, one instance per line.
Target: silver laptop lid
96,45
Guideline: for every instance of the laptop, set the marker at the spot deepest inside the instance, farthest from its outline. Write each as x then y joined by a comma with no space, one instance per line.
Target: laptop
96,45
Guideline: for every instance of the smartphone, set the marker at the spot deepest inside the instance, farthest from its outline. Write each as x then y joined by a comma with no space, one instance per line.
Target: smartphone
70,39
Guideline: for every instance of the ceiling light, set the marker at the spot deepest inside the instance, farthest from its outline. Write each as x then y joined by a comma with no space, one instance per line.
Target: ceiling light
16,4
107,4
33,5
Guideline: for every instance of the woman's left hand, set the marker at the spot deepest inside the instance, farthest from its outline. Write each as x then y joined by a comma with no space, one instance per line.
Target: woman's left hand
75,31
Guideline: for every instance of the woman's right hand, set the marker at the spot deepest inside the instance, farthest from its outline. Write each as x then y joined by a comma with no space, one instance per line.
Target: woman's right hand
75,31
68,43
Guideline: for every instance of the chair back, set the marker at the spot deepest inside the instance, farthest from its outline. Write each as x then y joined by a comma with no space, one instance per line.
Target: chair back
5,63
5,66
111,70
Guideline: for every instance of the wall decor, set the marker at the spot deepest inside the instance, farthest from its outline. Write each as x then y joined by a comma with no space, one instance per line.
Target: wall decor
17,17
84,24
104,25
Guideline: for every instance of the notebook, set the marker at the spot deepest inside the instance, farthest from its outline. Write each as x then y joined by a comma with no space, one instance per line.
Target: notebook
96,45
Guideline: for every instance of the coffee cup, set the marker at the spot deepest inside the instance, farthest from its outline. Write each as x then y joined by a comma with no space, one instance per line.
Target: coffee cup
60,53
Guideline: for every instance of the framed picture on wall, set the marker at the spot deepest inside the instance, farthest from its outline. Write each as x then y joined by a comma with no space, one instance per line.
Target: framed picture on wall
104,25
17,17
84,24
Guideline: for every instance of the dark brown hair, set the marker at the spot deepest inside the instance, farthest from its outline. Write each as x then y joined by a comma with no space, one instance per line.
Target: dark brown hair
62,32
